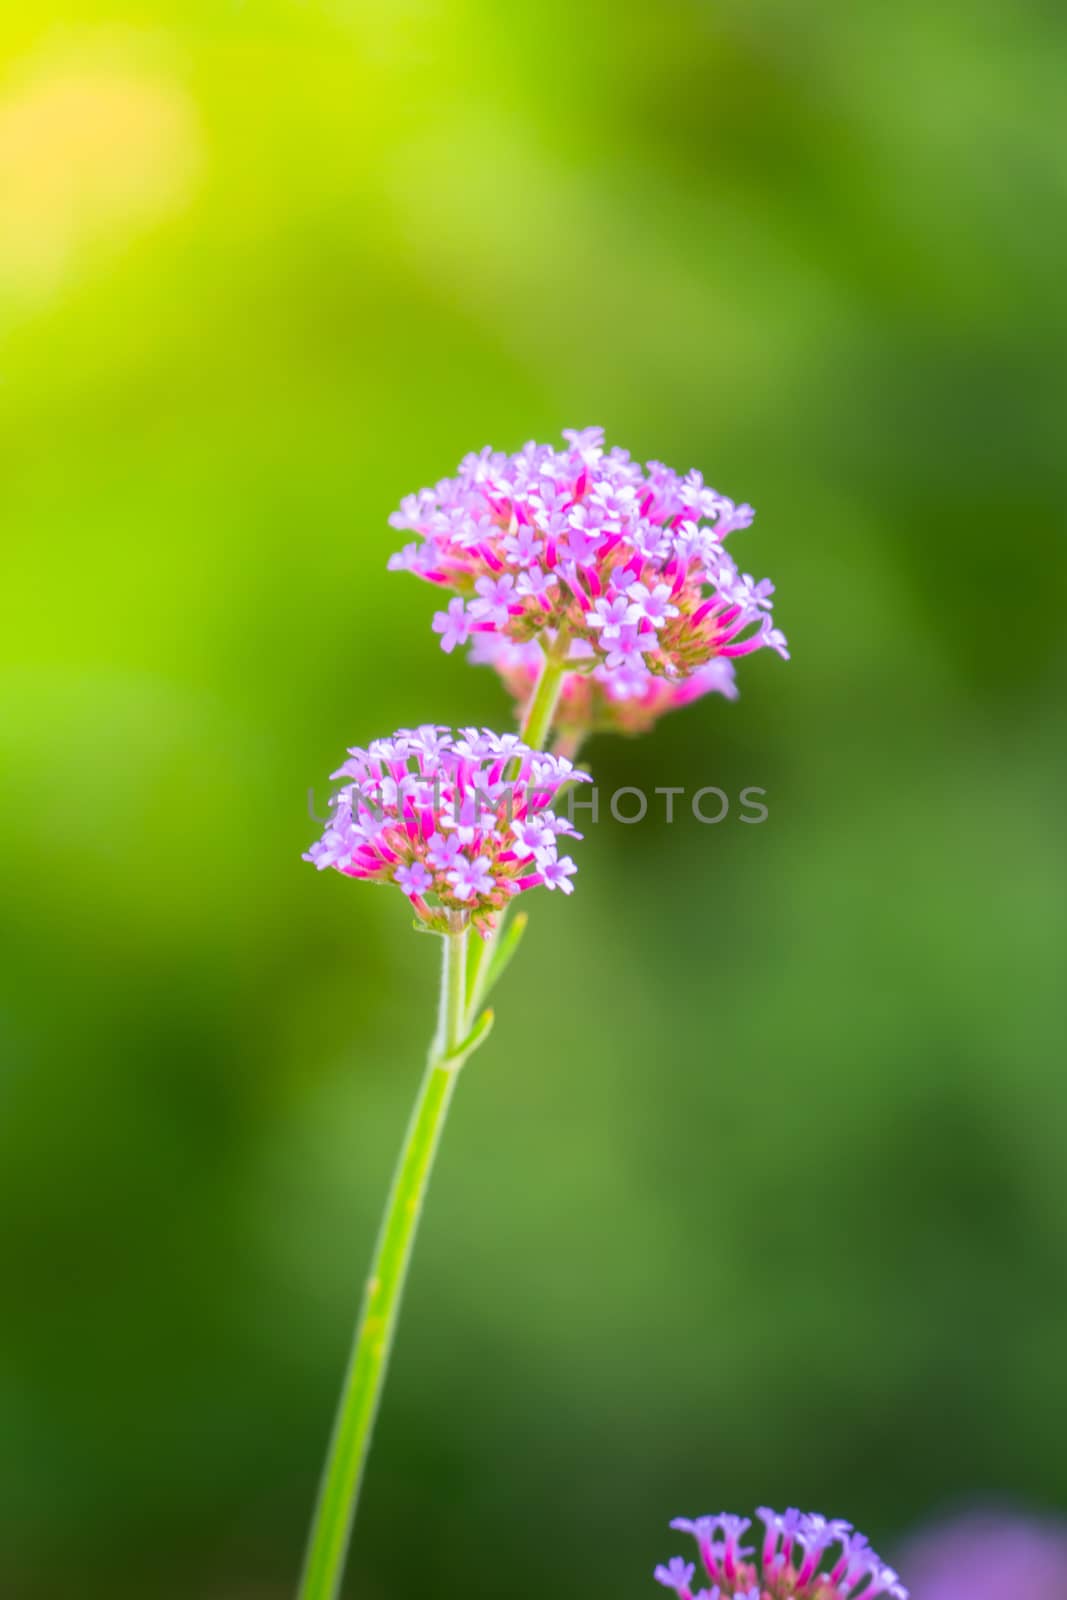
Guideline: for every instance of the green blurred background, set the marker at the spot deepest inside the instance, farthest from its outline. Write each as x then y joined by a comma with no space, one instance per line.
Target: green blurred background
758,1193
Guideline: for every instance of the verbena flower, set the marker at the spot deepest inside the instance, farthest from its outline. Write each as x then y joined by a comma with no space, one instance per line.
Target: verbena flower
990,1555
628,561
599,698
801,1555
460,823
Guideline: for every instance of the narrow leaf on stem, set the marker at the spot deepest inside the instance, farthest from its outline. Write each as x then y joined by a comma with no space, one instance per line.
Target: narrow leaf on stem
477,1036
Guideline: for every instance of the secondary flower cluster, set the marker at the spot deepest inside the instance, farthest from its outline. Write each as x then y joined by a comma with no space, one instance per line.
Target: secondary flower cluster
460,823
581,545
792,1563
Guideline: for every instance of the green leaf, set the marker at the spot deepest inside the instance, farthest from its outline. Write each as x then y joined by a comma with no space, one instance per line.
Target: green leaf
506,947
477,1036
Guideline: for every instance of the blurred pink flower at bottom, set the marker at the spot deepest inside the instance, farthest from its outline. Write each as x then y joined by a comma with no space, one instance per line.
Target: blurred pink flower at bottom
989,1555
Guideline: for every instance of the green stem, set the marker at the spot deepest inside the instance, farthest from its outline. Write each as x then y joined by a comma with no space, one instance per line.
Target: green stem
534,730
354,1423
537,722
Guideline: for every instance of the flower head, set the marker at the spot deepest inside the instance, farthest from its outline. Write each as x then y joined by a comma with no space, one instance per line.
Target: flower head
801,1555
625,562
460,823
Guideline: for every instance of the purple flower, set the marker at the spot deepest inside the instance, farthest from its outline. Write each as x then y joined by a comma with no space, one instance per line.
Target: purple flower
775,639
993,1554
470,878
611,616
452,625
731,517
443,851
586,442
677,1575
650,541
756,596
523,547
584,533
413,878
461,823
405,560
535,582
533,835
494,597
803,1557
629,645
653,604
629,679
591,542
557,873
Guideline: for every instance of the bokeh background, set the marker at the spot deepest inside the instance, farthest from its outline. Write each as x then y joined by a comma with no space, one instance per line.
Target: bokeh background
758,1193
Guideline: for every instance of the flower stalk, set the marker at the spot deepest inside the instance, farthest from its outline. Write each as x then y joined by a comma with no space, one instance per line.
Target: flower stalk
537,723
493,953
376,1328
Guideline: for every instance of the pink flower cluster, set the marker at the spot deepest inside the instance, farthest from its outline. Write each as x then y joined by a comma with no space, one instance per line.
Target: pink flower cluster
804,1556
627,560
460,823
